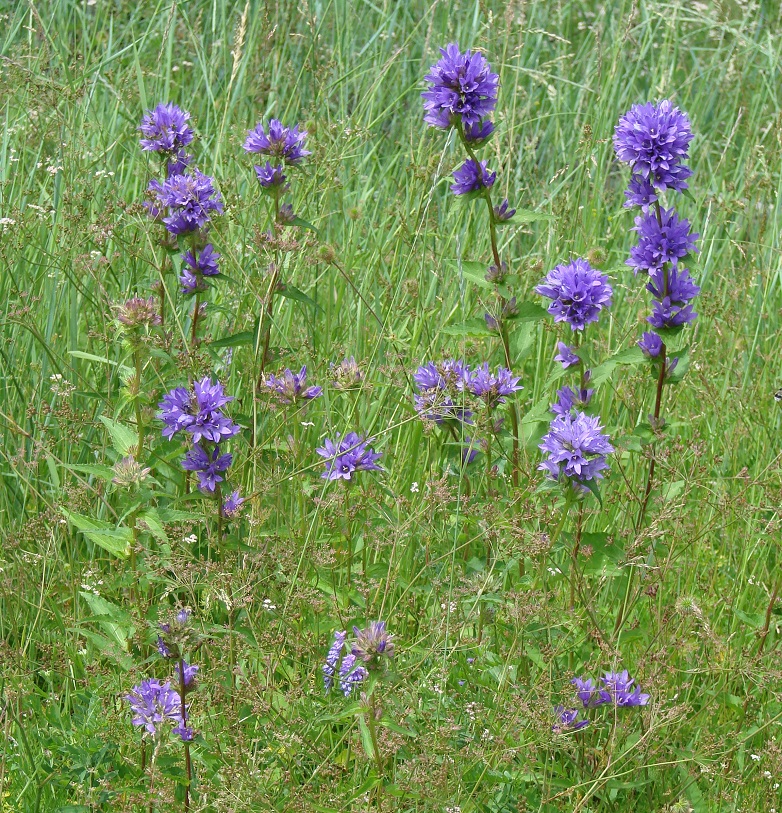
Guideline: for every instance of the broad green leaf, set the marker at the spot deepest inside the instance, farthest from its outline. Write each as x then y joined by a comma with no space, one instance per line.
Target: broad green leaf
528,312
115,541
632,357
153,521
123,438
289,292
246,337
472,327
525,216
96,470
113,620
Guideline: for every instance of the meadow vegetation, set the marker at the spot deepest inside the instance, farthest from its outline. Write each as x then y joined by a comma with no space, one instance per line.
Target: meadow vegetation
478,590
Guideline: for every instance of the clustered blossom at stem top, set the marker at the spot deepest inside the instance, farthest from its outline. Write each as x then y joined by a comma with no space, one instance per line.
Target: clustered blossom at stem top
290,387
577,292
283,145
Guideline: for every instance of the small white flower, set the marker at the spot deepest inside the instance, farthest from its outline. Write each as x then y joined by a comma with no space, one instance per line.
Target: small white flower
414,488
754,757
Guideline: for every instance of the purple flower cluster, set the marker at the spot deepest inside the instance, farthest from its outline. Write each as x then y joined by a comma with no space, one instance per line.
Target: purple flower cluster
351,664
576,447
462,90
462,93
441,391
198,266
472,176
444,389
189,198
165,129
567,720
283,145
577,292
346,456
654,140
198,412
617,689
154,703
290,387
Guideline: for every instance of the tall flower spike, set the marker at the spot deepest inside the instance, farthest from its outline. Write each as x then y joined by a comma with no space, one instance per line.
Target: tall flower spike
660,242
462,89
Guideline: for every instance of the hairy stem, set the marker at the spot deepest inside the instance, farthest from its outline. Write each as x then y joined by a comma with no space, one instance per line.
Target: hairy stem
183,713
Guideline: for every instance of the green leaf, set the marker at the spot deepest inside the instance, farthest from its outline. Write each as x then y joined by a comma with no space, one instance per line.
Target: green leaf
153,521
289,292
472,327
525,216
123,438
631,357
246,337
96,470
113,620
755,620
115,541
366,737
528,312
683,365
80,354
304,224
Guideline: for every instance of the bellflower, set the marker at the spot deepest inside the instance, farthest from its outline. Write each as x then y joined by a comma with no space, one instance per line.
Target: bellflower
440,387
576,447
567,720
471,177
232,505
346,375
502,212
476,134
205,262
178,163
578,293
666,241
139,312
281,143
566,356
654,140
462,89
373,644
190,671
668,314
569,399
493,389
190,199
165,129
589,694
676,284
651,344
270,177
332,659
290,387
154,703
346,456
619,686
350,675
207,466
197,412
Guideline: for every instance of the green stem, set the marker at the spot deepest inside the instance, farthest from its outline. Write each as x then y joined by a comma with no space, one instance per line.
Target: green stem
183,713
514,419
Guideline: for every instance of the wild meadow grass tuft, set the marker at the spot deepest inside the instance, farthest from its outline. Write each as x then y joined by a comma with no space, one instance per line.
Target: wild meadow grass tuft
360,569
